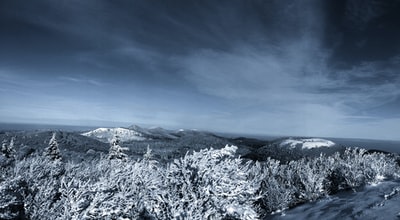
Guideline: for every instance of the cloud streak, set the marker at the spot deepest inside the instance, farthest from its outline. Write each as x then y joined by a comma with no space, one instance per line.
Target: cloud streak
82,80
297,96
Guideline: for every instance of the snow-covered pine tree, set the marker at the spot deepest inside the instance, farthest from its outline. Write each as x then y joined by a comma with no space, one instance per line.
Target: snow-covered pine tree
148,155
52,151
116,151
4,147
8,150
11,149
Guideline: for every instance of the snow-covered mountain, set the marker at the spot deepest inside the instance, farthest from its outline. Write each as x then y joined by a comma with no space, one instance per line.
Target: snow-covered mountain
107,134
292,148
132,133
306,143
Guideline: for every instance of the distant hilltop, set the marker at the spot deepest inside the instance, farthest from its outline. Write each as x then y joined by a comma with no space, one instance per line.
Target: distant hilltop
137,133
307,143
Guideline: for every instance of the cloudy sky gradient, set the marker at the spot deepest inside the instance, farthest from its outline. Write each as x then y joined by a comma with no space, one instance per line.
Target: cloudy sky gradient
307,68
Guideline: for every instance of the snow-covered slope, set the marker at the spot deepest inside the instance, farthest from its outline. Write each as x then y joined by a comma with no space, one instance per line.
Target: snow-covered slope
307,143
107,134
132,133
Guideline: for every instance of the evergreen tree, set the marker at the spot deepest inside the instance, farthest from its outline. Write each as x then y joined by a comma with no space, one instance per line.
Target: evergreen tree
52,151
8,150
148,155
116,151
4,147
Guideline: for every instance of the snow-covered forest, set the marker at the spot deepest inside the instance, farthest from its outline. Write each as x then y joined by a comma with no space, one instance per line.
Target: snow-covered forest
205,184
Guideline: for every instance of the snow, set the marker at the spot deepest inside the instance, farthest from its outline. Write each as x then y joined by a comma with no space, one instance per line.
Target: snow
380,202
230,209
380,177
107,134
132,133
307,143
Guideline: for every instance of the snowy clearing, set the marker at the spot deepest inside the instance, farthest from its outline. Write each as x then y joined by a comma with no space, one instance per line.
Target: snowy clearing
107,134
307,143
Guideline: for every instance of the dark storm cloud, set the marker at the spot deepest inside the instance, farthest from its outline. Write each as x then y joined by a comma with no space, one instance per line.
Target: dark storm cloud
360,31
300,67
170,27
135,39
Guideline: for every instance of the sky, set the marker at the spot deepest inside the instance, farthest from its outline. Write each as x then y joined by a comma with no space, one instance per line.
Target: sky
296,68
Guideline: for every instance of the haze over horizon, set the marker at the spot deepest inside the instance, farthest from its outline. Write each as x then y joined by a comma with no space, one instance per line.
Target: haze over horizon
304,68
